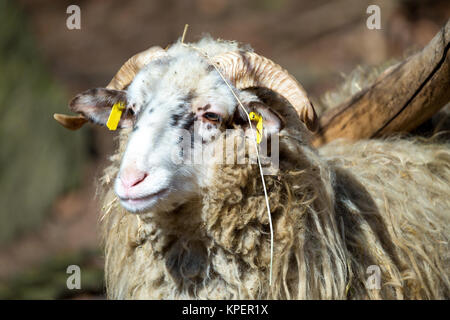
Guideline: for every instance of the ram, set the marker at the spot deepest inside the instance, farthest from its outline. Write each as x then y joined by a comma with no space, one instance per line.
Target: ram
350,220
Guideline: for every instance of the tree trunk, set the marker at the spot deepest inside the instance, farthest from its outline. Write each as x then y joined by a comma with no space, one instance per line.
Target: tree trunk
403,97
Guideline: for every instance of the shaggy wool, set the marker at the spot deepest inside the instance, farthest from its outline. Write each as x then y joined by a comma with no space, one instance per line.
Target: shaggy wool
336,212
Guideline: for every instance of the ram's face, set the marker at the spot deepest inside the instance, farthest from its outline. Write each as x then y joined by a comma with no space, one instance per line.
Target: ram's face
177,109
178,113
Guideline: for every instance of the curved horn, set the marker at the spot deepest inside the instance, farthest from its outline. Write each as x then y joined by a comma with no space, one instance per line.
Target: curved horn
120,81
130,68
248,69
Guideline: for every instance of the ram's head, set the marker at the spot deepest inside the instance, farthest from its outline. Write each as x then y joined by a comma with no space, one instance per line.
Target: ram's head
178,99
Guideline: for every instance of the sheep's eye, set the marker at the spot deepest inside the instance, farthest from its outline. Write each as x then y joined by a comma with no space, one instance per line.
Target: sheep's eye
211,116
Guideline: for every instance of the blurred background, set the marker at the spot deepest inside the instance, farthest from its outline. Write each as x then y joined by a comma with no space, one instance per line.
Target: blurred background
48,210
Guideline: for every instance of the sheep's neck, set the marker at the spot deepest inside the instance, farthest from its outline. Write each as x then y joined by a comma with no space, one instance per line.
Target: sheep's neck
182,223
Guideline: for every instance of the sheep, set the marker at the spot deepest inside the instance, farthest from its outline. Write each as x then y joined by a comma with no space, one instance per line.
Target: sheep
201,231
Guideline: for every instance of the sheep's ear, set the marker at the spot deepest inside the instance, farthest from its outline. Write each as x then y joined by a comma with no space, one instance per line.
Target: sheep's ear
272,121
96,105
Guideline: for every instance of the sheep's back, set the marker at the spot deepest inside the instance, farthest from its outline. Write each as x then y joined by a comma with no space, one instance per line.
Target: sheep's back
407,183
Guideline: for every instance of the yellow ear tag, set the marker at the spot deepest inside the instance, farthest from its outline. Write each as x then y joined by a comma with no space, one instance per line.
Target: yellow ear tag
114,116
259,126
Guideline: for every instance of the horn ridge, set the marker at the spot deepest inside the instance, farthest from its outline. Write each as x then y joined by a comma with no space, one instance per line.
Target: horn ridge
120,81
248,69
132,66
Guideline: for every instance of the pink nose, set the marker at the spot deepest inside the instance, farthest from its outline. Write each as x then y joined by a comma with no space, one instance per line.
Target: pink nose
131,177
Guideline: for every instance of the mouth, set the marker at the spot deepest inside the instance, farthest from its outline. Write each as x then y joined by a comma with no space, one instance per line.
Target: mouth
140,204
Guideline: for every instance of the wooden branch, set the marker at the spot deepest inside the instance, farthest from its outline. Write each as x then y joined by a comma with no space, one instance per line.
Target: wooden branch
402,98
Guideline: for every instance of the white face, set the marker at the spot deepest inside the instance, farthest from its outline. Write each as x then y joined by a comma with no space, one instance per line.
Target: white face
177,107
173,104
